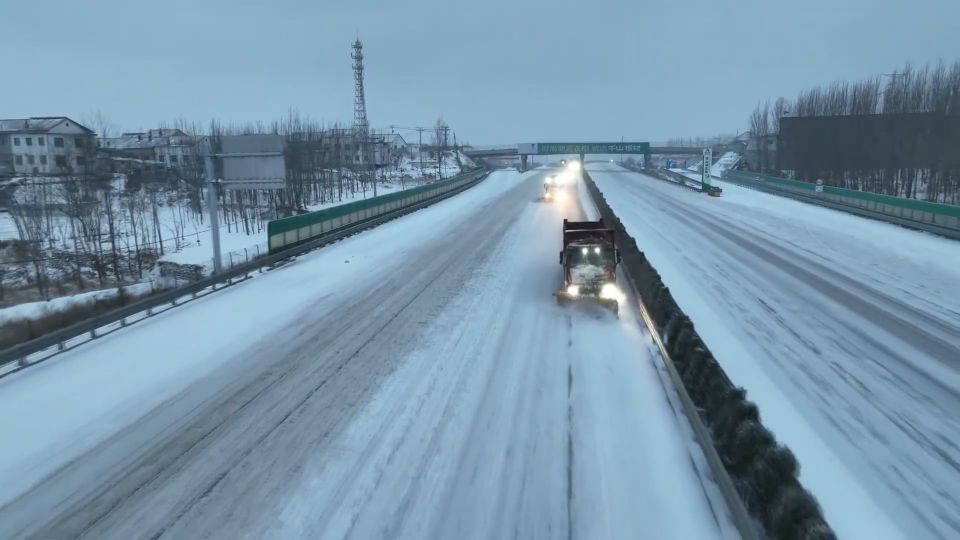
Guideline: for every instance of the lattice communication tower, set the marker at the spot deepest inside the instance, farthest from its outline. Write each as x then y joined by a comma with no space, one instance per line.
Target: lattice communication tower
359,101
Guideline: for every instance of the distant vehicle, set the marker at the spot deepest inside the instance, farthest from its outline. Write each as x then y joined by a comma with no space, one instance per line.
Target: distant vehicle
589,260
554,188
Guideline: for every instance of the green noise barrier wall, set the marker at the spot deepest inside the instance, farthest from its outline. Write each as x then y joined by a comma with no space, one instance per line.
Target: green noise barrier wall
293,231
923,212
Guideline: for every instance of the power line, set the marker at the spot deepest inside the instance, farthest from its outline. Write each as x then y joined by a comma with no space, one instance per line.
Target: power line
419,130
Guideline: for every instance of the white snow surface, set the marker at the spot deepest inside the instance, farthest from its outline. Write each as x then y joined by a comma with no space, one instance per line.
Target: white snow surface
35,310
415,381
718,169
587,274
845,331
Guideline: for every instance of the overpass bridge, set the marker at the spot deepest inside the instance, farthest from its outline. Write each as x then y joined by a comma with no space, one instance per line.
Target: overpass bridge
522,150
511,150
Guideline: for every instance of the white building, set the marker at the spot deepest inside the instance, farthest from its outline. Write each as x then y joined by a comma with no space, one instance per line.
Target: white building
170,147
178,150
44,145
343,142
395,143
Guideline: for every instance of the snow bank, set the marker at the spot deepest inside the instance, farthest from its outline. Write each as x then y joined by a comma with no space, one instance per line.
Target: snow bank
35,310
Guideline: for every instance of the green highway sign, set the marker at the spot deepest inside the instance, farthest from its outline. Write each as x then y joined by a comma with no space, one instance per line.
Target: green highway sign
593,148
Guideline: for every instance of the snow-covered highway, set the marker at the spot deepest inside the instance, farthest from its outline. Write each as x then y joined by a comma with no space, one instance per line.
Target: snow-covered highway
845,331
415,381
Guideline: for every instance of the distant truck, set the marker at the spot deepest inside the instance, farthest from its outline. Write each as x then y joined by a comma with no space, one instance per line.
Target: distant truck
589,259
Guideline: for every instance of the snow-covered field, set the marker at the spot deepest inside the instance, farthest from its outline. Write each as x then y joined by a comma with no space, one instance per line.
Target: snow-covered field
845,331
237,246
187,236
415,381
177,234
417,169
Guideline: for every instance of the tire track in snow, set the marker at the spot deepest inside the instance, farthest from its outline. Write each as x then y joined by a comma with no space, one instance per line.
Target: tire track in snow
886,420
901,328
569,450
455,421
570,464
244,436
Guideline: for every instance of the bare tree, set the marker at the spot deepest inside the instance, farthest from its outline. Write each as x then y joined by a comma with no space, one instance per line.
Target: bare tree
780,108
29,212
101,123
757,130
908,89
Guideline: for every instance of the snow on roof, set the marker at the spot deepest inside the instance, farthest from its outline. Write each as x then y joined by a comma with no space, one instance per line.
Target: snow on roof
150,139
35,124
395,138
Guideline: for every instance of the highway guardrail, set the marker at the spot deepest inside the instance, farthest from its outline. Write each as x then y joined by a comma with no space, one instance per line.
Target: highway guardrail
671,176
942,219
17,357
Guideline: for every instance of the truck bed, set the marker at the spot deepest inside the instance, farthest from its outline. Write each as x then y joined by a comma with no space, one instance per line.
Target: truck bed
586,230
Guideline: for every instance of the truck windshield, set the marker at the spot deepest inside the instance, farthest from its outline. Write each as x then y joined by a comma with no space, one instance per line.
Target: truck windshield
592,255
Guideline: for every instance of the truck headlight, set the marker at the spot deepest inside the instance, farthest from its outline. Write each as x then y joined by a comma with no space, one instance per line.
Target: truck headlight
573,290
562,196
611,292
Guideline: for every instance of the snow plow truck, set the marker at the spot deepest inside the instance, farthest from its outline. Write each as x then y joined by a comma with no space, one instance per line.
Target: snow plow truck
589,259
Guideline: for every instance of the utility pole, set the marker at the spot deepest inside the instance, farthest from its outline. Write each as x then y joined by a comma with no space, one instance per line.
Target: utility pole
880,103
442,143
420,148
372,152
212,201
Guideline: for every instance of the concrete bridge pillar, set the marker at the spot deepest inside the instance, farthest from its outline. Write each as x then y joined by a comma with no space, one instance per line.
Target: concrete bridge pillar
523,163
647,161
582,162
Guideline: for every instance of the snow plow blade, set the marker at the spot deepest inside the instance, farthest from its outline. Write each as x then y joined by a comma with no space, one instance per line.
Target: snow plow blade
566,299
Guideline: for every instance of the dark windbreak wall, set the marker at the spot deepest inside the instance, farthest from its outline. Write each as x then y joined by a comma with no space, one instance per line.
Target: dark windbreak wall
869,142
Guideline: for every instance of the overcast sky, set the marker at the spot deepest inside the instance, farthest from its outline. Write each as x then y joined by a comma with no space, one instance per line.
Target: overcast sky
500,71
